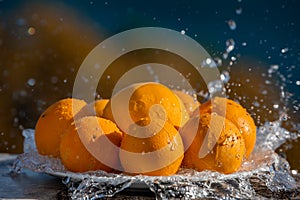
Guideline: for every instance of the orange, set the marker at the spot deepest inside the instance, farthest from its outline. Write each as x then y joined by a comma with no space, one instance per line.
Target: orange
237,115
154,149
144,101
215,144
190,103
52,124
93,109
91,143
99,106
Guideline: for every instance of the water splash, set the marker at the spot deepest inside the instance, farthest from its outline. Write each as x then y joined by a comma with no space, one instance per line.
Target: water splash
263,175
225,77
215,86
31,82
230,45
208,62
238,11
231,24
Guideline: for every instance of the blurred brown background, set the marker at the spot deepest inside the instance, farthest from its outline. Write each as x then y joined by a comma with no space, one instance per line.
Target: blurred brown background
42,46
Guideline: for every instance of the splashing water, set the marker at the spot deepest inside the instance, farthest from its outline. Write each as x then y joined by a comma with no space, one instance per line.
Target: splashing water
231,24
230,45
264,174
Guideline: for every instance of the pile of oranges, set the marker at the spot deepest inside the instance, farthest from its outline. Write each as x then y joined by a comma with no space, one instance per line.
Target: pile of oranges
147,129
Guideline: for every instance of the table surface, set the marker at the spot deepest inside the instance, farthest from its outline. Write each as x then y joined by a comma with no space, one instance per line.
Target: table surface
31,185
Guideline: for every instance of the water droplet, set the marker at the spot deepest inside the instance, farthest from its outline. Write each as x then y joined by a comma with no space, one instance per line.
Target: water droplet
31,31
31,82
264,92
85,79
214,114
94,138
182,32
283,117
284,50
66,180
297,82
225,77
220,164
232,25
208,62
282,93
296,108
294,171
108,76
173,147
244,44
273,68
275,106
65,80
215,86
230,44
256,103
150,69
267,82
239,11
218,61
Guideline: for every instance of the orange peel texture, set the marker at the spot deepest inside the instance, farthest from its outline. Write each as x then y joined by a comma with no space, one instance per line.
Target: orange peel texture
53,122
217,144
158,154
237,115
87,151
142,99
